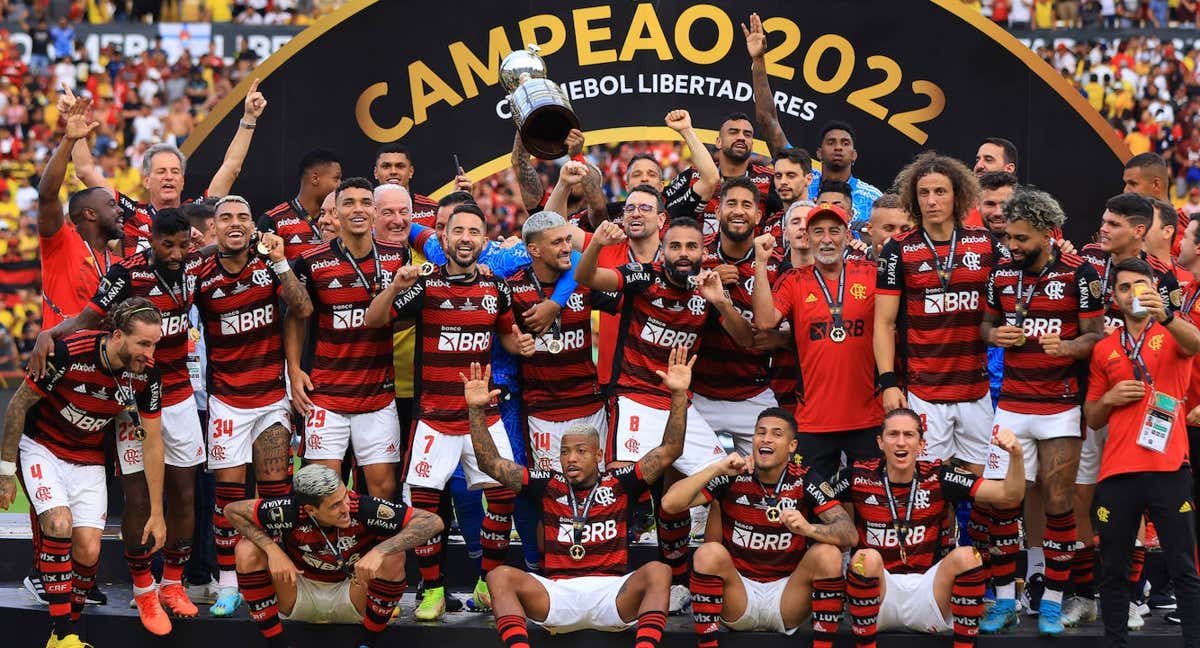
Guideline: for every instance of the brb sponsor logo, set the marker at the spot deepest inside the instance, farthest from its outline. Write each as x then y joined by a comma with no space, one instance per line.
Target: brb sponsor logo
453,338
879,536
658,334
82,419
174,325
592,532
571,340
939,303
751,539
244,322
347,317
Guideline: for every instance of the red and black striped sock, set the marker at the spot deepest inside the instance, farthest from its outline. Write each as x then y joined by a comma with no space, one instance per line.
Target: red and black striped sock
1059,546
54,561
650,627
1083,571
259,592
429,554
512,631
225,537
862,600
274,488
708,598
979,529
497,527
82,582
1005,532
828,599
174,558
382,596
139,568
966,605
673,531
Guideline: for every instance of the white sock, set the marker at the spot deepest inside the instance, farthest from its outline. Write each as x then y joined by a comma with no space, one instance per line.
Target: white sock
166,581
227,578
1006,592
1035,562
1052,595
137,591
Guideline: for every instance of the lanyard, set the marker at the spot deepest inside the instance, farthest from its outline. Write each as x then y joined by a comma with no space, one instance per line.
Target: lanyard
1191,301
171,291
341,560
96,262
901,529
1024,302
772,499
1104,279
303,214
835,308
578,518
1133,350
372,287
657,255
124,393
944,270
556,327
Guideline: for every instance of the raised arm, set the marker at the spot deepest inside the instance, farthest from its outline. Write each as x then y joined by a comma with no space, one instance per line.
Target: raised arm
528,179
477,390
766,316
677,378
765,113
587,271
571,174
731,318
235,155
50,208
379,313
710,177
836,527
294,294
1005,494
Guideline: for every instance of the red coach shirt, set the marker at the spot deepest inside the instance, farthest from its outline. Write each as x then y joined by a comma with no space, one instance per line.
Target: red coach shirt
71,272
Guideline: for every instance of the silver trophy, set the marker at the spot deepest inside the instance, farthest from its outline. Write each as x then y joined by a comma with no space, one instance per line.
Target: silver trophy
539,107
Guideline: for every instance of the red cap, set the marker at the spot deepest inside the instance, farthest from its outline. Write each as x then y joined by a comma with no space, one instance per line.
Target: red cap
828,209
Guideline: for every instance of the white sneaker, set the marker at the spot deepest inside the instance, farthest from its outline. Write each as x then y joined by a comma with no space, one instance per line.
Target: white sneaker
1077,610
206,593
680,599
1135,622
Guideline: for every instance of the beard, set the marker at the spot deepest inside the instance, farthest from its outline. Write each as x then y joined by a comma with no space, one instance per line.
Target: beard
1032,259
736,236
736,156
681,276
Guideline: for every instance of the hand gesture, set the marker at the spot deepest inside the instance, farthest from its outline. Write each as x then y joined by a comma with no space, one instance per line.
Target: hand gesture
764,247
572,173
1153,302
1007,441
1065,246
405,277
678,376
78,126
574,142
367,566
794,521
679,120
1125,392
274,245
476,388
735,464
858,245
1007,336
541,316
255,103
710,286
756,39
462,182
525,343
66,100
1055,346
609,233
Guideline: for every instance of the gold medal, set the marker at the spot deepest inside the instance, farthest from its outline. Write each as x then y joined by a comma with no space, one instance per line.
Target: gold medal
903,554
577,552
1020,341
773,514
427,269
262,248
838,334
139,433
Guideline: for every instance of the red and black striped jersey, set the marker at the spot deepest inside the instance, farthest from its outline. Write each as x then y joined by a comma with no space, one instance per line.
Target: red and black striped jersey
424,210
1034,382
683,201
1168,286
945,359
939,485
843,372
560,386
328,554
352,364
292,223
660,317
762,550
456,317
171,293
137,217
80,398
725,370
603,535
242,332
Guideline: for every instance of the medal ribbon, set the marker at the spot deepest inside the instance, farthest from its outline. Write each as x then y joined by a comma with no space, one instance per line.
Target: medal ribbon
1024,302
556,327
1133,350
772,499
372,287
578,518
944,270
835,308
901,529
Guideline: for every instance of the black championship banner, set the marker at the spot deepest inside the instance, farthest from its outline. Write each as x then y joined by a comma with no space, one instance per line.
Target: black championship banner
908,76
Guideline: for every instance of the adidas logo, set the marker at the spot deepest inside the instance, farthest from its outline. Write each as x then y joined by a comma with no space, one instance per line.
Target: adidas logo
810,299
295,239
924,267
218,293
335,283
743,500
658,303
1114,355
1008,290
447,304
1187,507
563,500
155,292
81,389
870,500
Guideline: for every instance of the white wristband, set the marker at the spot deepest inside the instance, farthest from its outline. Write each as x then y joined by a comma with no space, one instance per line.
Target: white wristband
8,468
280,267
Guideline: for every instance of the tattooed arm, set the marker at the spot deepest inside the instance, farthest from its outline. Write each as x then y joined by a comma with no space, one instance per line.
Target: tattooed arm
677,378
508,473
14,424
837,529
422,526
295,295
527,176
242,516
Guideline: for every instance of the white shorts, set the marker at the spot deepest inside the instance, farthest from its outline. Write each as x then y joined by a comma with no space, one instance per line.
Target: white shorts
434,456
321,602
1089,457
763,602
51,482
183,441
909,604
545,438
374,435
737,418
233,431
1029,429
583,603
640,430
955,430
